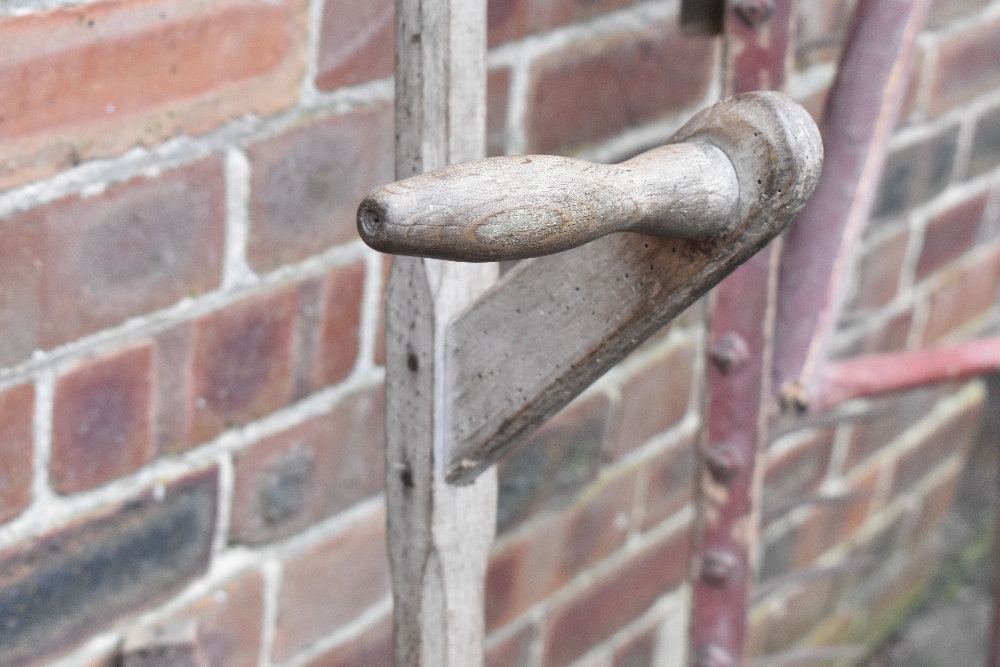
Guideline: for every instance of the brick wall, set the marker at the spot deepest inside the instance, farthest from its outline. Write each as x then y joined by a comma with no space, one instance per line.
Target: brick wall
191,373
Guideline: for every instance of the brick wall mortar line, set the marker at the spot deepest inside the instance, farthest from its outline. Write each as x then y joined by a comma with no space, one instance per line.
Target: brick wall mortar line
789,442
964,23
838,455
185,310
516,139
235,270
93,176
963,147
680,521
924,129
41,490
14,8
224,504
57,511
991,216
307,88
371,310
805,83
273,575
367,619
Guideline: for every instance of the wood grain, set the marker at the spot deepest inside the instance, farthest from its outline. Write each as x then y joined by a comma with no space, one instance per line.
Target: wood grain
439,535
523,206
554,324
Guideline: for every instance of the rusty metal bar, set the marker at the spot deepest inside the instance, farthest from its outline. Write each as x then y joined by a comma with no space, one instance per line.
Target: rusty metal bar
758,52
862,111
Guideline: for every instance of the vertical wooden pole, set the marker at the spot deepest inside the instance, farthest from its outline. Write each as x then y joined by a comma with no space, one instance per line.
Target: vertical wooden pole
759,40
439,534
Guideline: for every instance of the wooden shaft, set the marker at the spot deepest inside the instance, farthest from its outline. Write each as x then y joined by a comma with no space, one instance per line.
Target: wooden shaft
526,206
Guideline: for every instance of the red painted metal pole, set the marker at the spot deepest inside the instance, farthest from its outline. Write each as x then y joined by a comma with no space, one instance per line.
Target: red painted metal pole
879,374
862,111
758,52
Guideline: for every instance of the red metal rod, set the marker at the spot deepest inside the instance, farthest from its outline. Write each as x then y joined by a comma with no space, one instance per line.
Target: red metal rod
861,113
883,373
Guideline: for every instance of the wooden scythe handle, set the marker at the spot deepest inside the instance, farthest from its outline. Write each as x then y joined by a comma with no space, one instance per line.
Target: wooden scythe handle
521,206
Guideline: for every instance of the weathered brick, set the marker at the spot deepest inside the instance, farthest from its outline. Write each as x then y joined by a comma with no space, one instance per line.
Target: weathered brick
512,19
834,521
229,621
916,173
671,482
242,363
103,419
81,264
515,651
341,326
619,78
951,234
796,474
985,144
966,66
356,43
58,588
655,398
639,651
889,336
554,463
888,419
557,548
618,598
954,436
968,293
373,648
81,82
878,272
353,567
497,95
174,408
306,184
17,406
293,479
941,11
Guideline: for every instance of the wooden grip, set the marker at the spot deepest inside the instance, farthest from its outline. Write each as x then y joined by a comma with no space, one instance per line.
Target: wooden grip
516,207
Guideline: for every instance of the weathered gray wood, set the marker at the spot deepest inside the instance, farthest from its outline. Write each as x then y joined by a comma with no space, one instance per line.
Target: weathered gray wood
439,535
554,324
530,205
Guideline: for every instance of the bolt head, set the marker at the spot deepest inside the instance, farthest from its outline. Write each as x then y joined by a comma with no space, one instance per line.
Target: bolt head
717,567
724,464
712,655
729,352
754,12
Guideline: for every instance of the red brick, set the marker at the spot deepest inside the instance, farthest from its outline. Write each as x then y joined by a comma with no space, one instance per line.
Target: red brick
671,482
306,184
81,264
985,154
951,234
889,336
655,398
623,595
497,94
878,272
242,363
230,621
796,474
515,651
341,327
640,651
81,82
174,409
59,588
554,463
373,648
953,437
103,419
17,405
966,67
513,19
833,522
887,421
916,173
291,480
556,549
967,294
592,91
357,42
353,568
